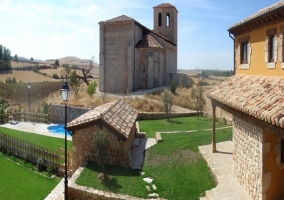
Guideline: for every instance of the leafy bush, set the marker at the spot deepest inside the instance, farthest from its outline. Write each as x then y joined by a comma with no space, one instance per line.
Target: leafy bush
91,89
9,80
55,76
52,169
40,164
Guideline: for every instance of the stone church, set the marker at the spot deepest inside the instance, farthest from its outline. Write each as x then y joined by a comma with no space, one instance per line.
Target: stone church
133,57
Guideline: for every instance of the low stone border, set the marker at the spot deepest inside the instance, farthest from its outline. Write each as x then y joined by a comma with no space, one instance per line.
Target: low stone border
158,137
82,192
162,115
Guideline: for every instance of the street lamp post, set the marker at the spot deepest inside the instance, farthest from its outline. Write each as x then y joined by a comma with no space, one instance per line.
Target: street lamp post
29,87
65,96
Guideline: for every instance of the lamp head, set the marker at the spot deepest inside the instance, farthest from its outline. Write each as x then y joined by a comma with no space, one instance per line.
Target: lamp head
65,90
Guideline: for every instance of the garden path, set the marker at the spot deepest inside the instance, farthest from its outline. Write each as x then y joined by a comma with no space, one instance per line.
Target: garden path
221,164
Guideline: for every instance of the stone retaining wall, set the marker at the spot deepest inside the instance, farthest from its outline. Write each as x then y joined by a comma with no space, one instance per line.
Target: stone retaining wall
57,113
162,115
248,157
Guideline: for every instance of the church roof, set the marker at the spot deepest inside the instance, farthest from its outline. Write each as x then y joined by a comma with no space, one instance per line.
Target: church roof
259,96
120,19
148,41
118,115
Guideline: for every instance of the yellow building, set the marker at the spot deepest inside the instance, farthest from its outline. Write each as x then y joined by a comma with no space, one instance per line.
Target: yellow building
255,98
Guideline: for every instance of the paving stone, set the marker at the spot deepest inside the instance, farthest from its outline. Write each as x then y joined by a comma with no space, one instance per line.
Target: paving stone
221,165
148,179
153,195
148,188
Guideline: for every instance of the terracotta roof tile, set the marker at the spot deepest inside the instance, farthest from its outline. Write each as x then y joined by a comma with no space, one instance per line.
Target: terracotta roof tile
118,114
149,42
261,12
258,96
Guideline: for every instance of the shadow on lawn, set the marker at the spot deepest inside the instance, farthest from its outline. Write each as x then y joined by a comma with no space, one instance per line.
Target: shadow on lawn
174,122
112,185
112,170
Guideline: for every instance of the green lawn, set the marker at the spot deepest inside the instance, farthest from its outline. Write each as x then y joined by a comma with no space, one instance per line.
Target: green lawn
122,180
18,182
46,141
176,124
178,169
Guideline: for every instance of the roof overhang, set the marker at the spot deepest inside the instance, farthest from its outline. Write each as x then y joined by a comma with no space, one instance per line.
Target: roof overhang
261,97
257,21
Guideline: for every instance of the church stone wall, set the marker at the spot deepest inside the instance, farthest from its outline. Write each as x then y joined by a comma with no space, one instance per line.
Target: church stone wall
117,39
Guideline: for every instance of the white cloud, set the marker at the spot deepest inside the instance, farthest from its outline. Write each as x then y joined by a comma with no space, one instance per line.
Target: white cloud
94,7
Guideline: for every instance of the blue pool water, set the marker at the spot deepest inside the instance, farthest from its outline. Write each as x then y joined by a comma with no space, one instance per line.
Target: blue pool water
57,129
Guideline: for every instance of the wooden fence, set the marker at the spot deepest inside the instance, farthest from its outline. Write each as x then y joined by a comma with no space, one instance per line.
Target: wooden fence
33,152
25,116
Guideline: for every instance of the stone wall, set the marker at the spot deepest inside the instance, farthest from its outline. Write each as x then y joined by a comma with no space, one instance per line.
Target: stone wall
183,80
248,157
57,113
82,147
118,52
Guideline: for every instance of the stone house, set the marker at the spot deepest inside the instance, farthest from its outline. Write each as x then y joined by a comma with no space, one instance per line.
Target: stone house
133,57
255,98
117,119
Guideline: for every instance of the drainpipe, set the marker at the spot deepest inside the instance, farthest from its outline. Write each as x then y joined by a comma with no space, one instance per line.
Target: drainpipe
234,53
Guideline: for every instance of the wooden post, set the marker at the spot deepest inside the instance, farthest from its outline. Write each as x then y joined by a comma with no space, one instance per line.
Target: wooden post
213,127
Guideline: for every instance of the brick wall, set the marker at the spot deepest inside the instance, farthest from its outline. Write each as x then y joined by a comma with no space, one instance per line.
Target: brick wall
57,113
248,153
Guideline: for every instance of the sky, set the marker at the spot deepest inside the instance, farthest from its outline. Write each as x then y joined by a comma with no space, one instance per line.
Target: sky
51,29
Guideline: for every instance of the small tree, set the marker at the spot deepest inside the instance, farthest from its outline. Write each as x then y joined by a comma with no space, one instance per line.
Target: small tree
74,82
197,96
32,59
100,145
167,99
16,58
173,87
91,89
56,63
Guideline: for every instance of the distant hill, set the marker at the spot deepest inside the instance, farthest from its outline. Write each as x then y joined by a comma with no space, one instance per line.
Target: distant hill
71,60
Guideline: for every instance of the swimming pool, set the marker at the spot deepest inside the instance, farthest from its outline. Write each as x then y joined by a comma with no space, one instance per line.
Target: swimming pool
57,129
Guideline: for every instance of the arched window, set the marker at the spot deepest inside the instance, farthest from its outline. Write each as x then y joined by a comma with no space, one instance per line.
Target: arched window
168,19
160,19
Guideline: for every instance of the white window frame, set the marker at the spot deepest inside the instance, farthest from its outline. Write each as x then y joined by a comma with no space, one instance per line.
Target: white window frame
240,64
271,65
